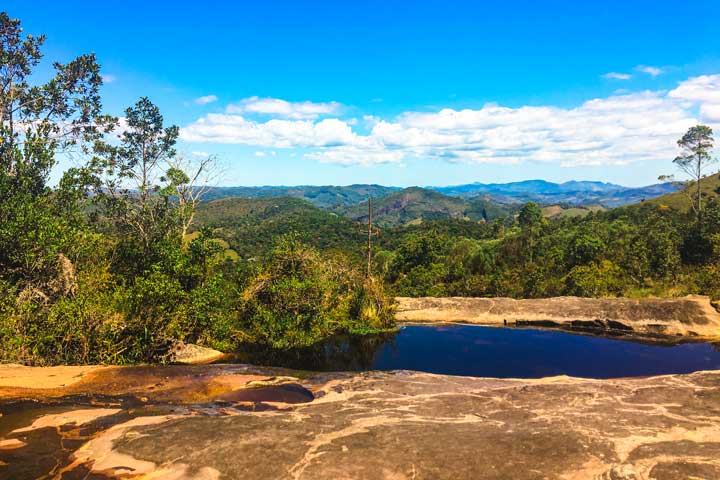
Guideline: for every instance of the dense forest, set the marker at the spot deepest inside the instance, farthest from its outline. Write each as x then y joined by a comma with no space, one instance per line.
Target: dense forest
102,267
129,252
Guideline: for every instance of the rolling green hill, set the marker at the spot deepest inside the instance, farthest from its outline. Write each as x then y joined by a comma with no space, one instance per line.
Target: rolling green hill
710,187
414,205
251,225
580,193
560,211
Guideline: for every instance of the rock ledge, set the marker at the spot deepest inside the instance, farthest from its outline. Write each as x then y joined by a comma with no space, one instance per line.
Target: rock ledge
691,316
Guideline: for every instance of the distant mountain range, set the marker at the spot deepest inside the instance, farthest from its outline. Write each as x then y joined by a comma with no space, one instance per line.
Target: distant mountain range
325,196
576,193
581,193
325,216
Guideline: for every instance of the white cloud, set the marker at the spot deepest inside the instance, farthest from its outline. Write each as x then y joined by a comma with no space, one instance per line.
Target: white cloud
200,154
705,89
615,130
350,155
283,108
108,78
224,128
204,100
259,154
617,76
710,113
652,71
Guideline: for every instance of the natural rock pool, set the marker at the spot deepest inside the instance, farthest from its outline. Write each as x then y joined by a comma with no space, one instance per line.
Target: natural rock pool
493,352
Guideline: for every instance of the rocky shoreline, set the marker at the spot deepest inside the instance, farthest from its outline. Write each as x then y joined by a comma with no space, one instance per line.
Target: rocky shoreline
237,421
686,318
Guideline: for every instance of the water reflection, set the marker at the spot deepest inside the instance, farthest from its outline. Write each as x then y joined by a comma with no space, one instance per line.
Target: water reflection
341,353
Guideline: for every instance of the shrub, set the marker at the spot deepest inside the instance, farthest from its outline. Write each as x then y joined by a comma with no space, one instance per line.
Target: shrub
595,280
299,297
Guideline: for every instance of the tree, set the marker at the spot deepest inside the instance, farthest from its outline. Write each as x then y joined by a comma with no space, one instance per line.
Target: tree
586,247
696,145
529,218
530,215
300,296
189,180
372,231
36,122
136,183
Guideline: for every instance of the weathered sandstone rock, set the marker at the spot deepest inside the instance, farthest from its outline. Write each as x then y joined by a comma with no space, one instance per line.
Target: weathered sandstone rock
691,316
14,375
394,425
191,354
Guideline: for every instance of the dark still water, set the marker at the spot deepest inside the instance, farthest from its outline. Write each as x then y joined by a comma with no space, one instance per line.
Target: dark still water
492,352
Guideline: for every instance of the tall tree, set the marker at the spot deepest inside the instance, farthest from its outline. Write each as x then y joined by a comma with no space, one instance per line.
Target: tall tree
696,146
38,120
135,185
530,218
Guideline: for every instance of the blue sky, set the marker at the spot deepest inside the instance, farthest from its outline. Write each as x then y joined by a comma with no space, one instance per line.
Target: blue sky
407,93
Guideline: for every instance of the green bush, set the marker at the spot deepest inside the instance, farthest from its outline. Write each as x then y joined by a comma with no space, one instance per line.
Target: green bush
299,297
595,280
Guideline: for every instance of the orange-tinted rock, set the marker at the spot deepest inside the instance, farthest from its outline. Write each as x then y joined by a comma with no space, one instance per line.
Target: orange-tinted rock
378,425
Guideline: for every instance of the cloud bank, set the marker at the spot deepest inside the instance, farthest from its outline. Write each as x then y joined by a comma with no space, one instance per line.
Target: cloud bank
284,109
616,130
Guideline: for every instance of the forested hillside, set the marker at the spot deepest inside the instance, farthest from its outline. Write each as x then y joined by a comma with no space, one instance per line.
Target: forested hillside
414,205
322,196
250,225
577,193
682,200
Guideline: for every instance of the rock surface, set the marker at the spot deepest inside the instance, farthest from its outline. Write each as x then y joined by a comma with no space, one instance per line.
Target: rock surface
212,422
13,375
191,354
691,316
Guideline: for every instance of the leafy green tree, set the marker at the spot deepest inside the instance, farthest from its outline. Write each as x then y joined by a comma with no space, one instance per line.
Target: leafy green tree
586,247
663,241
696,145
137,187
38,120
420,266
595,280
530,218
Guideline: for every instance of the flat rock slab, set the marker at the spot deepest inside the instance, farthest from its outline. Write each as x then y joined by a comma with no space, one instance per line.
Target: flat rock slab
692,316
19,376
393,425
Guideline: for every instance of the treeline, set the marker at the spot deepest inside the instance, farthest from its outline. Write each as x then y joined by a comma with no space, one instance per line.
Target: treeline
633,251
641,250
102,268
